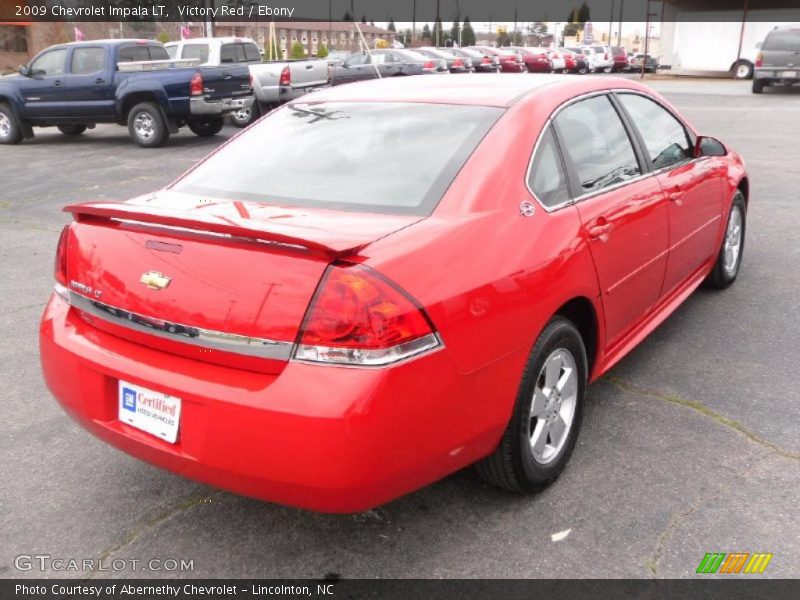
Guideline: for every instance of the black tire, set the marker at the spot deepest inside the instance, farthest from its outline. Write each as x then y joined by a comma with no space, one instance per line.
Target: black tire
743,70
722,277
10,129
758,86
513,466
243,118
72,129
146,125
207,127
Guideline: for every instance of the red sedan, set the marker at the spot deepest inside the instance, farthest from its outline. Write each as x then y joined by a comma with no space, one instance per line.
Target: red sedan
510,60
536,59
437,292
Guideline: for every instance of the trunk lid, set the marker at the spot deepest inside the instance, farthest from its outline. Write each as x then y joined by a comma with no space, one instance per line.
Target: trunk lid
224,282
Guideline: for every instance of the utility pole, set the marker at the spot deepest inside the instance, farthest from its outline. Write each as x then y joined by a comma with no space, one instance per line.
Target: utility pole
619,25
413,21
646,41
514,38
610,22
436,24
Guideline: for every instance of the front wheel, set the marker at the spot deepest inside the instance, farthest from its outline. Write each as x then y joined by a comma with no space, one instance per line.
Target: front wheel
72,129
207,127
244,116
10,130
729,258
607,70
546,419
146,125
758,86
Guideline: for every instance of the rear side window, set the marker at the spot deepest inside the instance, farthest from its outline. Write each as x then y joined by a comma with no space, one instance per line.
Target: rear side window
546,178
237,52
782,39
664,136
597,144
196,51
87,60
385,157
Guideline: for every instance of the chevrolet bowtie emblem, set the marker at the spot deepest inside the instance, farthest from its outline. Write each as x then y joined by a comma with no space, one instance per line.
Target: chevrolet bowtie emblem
155,280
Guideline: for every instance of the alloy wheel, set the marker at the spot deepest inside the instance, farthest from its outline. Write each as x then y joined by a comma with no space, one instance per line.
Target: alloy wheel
733,241
552,413
144,126
5,126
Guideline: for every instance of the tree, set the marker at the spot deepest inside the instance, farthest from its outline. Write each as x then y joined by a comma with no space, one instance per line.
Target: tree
347,16
322,52
583,13
426,33
455,32
298,51
363,19
503,39
467,33
391,27
438,33
162,36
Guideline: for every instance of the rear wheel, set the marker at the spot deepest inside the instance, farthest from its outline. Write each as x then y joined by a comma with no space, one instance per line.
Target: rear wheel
146,125
743,70
72,129
207,127
608,70
758,86
547,414
10,130
729,258
244,116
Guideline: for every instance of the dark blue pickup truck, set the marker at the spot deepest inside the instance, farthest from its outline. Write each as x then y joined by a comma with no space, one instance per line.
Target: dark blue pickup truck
129,82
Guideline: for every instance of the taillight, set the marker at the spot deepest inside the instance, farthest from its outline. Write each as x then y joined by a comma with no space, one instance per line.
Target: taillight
486,60
196,85
286,76
759,59
458,63
61,257
358,317
605,56
428,65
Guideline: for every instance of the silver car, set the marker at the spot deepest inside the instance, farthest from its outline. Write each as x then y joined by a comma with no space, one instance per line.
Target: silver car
779,59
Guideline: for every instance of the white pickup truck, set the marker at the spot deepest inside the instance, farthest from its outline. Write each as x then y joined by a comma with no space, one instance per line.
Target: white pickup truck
274,82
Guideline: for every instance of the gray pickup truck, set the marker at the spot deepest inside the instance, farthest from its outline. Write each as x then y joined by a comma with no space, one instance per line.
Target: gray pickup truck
274,82
778,60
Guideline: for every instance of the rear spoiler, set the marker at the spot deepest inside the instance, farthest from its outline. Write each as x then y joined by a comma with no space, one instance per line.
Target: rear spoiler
327,242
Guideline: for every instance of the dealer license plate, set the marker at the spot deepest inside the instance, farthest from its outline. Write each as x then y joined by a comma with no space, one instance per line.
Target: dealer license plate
156,413
789,74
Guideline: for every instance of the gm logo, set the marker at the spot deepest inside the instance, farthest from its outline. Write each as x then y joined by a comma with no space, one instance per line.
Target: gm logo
734,562
129,399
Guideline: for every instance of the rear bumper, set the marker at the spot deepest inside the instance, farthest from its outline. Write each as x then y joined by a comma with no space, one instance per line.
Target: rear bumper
778,74
329,439
198,105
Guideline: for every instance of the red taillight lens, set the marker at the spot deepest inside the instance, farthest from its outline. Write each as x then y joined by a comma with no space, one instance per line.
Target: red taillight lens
486,60
196,85
759,59
458,63
61,257
605,56
286,76
428,65
359,317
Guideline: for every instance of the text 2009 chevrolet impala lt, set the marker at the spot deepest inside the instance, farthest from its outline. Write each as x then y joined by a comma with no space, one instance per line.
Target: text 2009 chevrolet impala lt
377,286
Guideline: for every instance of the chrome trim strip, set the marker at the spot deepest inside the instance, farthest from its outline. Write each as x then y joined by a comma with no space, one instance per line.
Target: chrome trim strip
372,359
186,334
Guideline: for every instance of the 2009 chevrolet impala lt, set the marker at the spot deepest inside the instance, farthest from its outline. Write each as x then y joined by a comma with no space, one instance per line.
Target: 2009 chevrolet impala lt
382,283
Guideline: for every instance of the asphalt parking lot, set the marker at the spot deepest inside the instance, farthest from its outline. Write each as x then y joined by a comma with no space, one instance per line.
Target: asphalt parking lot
690,445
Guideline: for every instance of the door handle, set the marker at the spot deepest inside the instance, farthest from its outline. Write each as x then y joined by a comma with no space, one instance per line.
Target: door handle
57,82
309,66
599,231
99,80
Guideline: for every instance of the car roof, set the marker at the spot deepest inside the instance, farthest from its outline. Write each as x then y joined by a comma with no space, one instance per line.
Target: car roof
501,90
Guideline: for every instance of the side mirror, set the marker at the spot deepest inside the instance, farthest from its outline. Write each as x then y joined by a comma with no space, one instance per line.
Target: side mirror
23,70
709,146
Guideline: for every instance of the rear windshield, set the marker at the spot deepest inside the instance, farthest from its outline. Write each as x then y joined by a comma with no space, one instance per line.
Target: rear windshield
239,52
386,157
784,39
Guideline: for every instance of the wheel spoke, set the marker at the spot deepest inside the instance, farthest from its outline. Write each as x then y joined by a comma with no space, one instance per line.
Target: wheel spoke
552,371
539,403
539,439
557,429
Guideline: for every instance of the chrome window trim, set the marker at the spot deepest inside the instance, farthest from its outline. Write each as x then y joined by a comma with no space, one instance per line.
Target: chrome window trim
588,195
197,336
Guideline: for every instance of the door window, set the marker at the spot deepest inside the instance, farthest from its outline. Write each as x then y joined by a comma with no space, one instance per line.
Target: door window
88,60
664,136
50,63
597,144
356,59
547,179
196,51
